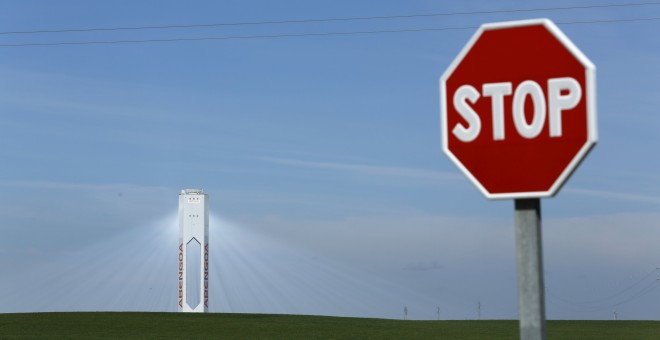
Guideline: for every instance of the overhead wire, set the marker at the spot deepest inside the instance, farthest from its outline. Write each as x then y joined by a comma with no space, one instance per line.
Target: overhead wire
295,35
612,296
602,304
318,20
644,291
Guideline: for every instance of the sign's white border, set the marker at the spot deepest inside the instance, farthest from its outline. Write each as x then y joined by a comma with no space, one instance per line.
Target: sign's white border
592,133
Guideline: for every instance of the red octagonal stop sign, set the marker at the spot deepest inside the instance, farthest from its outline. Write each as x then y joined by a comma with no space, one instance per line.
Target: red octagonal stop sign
518,109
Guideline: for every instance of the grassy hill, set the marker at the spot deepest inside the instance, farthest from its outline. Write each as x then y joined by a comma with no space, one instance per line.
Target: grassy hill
263,326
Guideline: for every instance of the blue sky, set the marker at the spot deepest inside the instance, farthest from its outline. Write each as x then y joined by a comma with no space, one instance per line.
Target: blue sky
318,148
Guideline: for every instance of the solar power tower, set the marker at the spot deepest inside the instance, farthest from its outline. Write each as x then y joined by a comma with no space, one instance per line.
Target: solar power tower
193,287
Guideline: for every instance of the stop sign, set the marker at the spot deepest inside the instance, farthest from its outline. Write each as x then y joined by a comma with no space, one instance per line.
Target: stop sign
518,109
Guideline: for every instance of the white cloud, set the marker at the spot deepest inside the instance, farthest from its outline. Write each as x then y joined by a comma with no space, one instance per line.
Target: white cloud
458,260
615,195
57,185
373,265
49,211
396,241
612,238
377,170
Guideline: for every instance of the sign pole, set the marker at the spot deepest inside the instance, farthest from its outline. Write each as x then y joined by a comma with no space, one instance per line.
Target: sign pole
531,300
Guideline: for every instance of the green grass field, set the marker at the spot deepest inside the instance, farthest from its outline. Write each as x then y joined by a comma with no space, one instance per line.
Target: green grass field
262,326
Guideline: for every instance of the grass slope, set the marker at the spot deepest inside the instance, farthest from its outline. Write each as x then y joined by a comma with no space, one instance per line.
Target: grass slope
262,326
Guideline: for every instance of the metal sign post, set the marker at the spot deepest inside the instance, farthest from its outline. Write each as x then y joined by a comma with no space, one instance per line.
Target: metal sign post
531,300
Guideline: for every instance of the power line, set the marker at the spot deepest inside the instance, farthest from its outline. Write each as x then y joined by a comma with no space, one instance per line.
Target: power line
297,35
237,37
642,292
609,297
301,21
645,291
602,304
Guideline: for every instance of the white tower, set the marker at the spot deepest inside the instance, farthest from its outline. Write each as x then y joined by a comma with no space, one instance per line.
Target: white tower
193,251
